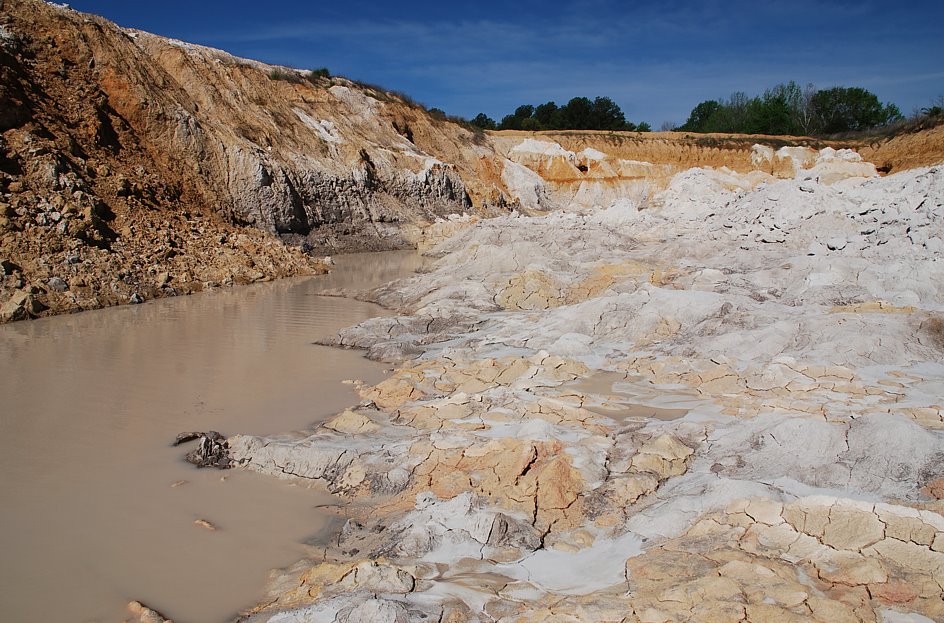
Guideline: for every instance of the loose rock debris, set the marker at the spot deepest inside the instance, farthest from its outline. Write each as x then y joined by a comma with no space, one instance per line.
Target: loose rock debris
212,449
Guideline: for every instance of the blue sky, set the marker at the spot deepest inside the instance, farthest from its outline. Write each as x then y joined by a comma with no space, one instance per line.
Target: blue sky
657,60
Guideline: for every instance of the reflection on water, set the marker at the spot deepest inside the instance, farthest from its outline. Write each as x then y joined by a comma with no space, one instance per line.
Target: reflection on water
90,403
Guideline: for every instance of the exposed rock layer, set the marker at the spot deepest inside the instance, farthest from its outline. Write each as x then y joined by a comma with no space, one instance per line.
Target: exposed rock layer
134,166
95,210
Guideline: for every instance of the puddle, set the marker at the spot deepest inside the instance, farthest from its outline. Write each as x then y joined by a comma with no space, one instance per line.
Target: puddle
90,404
616,396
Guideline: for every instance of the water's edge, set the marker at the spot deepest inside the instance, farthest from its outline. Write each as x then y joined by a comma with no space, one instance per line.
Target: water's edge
94,507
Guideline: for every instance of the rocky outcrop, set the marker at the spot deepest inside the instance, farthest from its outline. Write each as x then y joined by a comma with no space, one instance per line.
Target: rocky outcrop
93,211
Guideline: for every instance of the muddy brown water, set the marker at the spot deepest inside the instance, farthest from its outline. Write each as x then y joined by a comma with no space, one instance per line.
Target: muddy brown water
89,404
620,398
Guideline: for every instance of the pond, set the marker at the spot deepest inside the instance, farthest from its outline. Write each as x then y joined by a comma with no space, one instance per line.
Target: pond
98,508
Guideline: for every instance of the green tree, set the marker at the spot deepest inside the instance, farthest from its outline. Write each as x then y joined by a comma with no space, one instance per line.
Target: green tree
789,99
606,115
483,121
788,108
509,122
548,115
524,112
531,124
844,109
580,113
700,116
577,113
516,120
774,114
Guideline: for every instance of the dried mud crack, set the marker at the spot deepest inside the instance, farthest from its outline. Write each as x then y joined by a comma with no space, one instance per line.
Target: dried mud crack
506,473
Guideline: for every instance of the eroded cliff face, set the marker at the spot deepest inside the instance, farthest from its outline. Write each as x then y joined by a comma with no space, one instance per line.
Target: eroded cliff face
574,169
341,163
135,166
289,155
93,212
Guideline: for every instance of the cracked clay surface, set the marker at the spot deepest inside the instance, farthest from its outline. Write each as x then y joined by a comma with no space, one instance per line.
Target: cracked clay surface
718,403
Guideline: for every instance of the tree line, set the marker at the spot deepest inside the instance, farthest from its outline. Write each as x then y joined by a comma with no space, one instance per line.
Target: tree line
785,109
580,113
793,110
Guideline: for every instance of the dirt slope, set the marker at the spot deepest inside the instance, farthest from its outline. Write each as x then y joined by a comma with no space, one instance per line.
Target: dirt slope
133,166
92,213
924,146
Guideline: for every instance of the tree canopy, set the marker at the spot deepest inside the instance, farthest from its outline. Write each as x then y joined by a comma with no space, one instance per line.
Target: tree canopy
580,113
792,109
